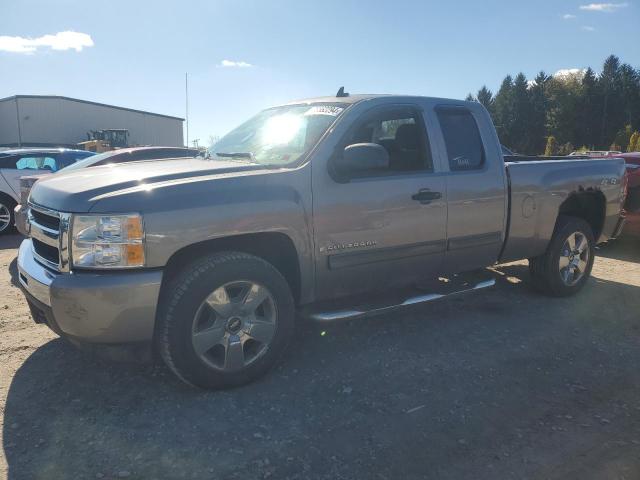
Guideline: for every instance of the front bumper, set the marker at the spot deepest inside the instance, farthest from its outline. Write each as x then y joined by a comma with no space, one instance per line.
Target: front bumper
20,215
109,307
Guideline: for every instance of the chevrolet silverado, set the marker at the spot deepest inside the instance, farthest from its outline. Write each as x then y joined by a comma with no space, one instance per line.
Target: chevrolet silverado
330,208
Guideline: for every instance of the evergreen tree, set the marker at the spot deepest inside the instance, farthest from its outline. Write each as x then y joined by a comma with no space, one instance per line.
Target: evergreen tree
630,91
538,122
590,110
485,97
521,108
503,111
575,109
470,98
612,109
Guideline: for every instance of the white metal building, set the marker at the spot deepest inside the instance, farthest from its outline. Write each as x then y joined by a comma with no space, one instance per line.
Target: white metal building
50,120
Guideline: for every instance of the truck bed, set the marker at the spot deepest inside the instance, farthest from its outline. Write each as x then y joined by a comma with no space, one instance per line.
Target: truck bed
540,189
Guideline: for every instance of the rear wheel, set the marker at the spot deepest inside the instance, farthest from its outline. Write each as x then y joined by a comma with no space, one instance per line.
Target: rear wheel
226,320
566,265
7,219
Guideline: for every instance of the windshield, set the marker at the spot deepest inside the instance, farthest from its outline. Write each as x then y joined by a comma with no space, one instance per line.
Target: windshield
278,136
90,160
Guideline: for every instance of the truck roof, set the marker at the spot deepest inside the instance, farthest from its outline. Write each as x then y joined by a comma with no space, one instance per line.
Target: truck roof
351,99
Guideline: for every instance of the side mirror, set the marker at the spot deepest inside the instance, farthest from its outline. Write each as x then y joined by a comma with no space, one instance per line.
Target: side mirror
363,157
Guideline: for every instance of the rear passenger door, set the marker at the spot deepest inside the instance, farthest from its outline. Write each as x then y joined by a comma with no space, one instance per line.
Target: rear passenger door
476,189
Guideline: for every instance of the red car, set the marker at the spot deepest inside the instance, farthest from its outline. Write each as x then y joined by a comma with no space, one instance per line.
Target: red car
632,204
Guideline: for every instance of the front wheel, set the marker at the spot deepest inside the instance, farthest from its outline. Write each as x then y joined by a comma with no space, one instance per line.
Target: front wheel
225,320
566,265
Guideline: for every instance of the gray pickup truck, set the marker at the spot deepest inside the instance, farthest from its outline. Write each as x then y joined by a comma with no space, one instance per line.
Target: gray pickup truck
329,208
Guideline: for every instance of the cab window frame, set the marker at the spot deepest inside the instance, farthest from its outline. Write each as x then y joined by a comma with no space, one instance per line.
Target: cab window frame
460,110
412,110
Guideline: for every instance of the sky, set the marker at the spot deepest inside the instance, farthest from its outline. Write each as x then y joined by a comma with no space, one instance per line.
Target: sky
246,55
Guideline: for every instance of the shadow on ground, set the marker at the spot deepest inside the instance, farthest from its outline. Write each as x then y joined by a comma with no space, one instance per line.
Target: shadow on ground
625,248
10,241
499,384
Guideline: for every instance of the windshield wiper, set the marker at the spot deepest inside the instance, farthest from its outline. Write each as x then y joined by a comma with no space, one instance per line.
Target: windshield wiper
247,155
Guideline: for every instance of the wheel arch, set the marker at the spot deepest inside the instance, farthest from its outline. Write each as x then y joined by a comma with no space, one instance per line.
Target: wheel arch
277,248
10,199
590,206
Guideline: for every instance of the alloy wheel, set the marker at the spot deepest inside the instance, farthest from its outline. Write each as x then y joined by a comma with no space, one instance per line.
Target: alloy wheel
234,325
5,217
574,258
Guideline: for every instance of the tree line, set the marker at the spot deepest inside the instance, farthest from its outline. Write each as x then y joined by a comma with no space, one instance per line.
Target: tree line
573,110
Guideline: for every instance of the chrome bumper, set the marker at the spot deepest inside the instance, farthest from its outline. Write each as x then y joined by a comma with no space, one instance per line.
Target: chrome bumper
34,278
110,307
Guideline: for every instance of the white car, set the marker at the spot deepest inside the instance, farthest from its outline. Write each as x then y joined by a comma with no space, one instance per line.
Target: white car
28,161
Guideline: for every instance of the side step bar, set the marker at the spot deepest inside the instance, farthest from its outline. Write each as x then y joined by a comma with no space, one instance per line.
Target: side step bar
363,311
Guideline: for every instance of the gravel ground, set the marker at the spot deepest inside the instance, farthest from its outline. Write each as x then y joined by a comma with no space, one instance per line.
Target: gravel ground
498,385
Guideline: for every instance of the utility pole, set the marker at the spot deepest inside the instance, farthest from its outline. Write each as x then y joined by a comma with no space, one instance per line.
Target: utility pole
186,100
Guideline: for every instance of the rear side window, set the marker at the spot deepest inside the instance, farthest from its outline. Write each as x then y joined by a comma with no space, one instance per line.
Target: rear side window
462,139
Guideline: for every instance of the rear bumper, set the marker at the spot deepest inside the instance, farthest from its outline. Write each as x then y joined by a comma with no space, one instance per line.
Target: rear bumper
111,307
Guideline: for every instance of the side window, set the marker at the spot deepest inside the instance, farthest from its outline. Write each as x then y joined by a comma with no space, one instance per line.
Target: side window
400,131
8,162
37,163
67,159
462,139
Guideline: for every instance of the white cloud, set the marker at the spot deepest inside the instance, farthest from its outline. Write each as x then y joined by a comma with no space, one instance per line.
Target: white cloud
603,7
234,64
569,72
60,41
568,16
588,28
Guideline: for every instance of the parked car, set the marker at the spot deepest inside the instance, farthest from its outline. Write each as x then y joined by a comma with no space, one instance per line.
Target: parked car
15,163
337,207
632,203
107,158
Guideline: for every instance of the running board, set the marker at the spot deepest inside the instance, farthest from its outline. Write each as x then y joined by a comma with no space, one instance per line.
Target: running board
363,311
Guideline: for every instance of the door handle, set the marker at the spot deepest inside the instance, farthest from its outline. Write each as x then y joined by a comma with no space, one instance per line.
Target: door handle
425,196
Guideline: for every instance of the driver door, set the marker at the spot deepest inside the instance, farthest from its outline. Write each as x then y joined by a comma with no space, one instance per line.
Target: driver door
386,228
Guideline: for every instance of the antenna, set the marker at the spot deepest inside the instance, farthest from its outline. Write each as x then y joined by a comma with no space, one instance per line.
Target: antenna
341,93
186,101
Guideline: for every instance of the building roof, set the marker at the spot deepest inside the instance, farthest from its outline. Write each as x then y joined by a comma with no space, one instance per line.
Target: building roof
59,97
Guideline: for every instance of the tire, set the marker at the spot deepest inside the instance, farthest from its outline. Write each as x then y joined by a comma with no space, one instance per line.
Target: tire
548,271
244,345
7,217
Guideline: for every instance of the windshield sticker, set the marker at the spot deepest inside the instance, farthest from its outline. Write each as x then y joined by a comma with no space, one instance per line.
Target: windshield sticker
324,110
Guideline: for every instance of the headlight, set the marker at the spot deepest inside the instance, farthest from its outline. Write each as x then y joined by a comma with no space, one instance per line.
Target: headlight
107,241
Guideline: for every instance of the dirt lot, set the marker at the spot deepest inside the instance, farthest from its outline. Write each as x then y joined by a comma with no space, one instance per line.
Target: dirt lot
502,384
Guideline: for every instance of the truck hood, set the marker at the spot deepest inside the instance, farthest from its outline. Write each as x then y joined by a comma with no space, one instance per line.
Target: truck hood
78,190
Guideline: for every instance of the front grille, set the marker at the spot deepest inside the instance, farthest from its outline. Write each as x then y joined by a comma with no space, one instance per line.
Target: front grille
49,253
45,219
49,238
